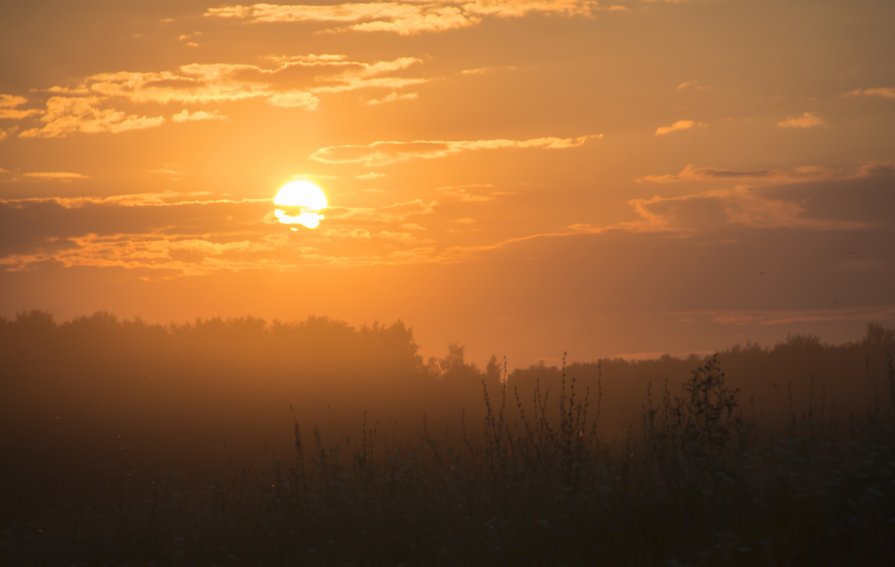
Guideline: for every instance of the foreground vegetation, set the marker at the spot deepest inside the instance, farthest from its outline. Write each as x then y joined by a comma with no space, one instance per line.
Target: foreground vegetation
524,472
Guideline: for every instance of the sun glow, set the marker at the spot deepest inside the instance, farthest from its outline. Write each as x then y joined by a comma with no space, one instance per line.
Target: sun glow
300,203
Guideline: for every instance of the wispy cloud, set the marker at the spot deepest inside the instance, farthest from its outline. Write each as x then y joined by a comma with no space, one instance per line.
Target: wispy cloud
179,233
753,177
393,213
197,116
711,210
474,193
691,84
227,82
678,126
792,316
882,92
692,172
406,17
806,120
809,198
54,175
9,108
11,101
377,154
89,115
294,99
293,81
40,176
128,200
171,171
392,97
190,39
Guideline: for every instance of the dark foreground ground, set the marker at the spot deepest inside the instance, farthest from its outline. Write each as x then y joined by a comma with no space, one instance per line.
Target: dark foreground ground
697,487
108,461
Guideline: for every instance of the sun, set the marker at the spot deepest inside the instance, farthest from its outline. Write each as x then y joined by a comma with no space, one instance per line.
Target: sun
300,203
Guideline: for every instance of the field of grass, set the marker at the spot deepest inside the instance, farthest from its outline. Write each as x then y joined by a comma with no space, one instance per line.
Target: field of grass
521,468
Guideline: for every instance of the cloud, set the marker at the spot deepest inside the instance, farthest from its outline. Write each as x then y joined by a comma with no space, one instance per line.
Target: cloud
695,173
522,8
877,169
168,170
130,200
9,108
806,120
403,18
285,81
295,99
65,115
851,200
190,39
678,126
357,83
392,97
377,154
197,116
691,84
453,254
17,114
181,233
791,316
191,84
393,213
87,230
373,175
474,193
713,210
418,20
11,101
883,92
54,175
174,254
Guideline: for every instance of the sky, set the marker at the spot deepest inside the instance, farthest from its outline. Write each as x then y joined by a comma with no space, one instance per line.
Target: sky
523,177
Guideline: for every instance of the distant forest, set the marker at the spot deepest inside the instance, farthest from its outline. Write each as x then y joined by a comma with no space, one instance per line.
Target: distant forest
216,439
228,390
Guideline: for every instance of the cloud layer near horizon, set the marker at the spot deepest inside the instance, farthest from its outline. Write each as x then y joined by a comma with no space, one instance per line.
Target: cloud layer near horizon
180,233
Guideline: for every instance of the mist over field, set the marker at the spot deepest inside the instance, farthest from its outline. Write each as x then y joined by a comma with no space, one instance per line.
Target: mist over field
218,391
112,424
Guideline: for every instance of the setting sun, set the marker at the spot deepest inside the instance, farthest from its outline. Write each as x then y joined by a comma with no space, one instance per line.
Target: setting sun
300,202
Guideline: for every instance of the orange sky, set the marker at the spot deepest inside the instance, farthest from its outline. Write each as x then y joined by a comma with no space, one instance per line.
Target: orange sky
525,177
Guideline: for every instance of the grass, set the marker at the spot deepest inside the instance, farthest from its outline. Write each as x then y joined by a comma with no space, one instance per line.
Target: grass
701,483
